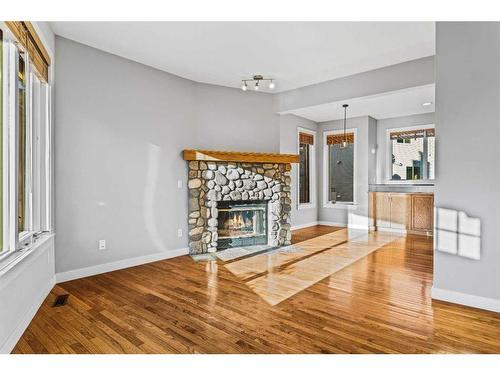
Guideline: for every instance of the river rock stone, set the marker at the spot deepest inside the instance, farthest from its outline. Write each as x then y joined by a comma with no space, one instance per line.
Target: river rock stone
220,179
235,195
193,204
194,183
214,195
249,184
233,174
208,174
261,185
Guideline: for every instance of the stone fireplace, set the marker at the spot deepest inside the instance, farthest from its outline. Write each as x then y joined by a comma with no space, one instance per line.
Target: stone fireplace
234,202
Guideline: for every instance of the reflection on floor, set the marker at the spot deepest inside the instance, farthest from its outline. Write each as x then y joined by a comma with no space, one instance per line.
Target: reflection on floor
277,276
379,304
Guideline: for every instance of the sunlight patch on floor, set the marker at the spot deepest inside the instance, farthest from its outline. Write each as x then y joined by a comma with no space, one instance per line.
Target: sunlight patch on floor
276,276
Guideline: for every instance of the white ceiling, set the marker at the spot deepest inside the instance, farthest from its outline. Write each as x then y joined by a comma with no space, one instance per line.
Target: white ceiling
294,53
391,104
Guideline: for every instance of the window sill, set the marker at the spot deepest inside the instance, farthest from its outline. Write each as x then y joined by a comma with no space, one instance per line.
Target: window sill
343,206
410,182
11,260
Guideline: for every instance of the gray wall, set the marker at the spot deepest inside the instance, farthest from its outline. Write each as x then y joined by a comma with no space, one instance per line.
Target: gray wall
390,123
120,130
289,125
468,127
357,215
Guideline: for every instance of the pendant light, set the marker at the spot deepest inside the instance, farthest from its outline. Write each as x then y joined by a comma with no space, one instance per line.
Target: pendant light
344,142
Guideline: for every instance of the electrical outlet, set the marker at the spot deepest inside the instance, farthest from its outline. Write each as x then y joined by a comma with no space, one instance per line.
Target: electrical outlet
179,184
179,232
102,244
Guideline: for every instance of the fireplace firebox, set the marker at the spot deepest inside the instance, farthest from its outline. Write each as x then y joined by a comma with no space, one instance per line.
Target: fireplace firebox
242,223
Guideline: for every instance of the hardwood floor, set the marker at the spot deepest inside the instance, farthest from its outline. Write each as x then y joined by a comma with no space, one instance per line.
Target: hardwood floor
379,303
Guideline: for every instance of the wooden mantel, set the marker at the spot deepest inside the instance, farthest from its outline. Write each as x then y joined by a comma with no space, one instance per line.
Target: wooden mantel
244,157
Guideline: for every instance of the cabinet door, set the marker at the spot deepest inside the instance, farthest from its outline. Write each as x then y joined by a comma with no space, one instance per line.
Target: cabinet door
400,211
383,210
422,212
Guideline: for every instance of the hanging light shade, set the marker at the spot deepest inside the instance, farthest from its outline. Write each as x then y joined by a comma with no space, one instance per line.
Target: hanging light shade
345,142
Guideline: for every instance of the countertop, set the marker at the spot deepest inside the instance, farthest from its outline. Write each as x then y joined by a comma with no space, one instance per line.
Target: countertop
402,188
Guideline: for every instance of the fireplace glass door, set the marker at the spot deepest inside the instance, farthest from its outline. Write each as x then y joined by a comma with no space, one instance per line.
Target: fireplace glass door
242,224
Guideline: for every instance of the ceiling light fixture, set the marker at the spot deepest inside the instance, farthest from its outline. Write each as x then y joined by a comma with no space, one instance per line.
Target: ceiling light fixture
344,142
257,79
426,104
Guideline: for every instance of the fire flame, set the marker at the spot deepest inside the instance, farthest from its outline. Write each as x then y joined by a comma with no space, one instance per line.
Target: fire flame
237,221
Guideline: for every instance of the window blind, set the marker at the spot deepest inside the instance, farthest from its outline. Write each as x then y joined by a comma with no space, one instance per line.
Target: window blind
306,139
337,139
27,37
412,134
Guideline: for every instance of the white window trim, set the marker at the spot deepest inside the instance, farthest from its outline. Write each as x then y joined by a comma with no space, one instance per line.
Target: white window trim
341,205
16,243
312,171
388,156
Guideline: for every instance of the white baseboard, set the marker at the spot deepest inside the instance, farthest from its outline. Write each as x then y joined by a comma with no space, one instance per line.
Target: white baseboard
300,226
343,225
118,265
466,299
18,331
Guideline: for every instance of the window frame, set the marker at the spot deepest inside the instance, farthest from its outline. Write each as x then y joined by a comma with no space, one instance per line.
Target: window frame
38,152
326,202
388,156
312,170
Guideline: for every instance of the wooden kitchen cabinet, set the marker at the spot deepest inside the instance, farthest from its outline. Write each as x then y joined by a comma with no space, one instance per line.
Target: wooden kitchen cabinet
382,210
422,216
400,210
412,213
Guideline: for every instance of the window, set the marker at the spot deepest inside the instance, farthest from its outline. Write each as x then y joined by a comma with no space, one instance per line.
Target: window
1,140
306,167
25,144
412,154
22,154
340,167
